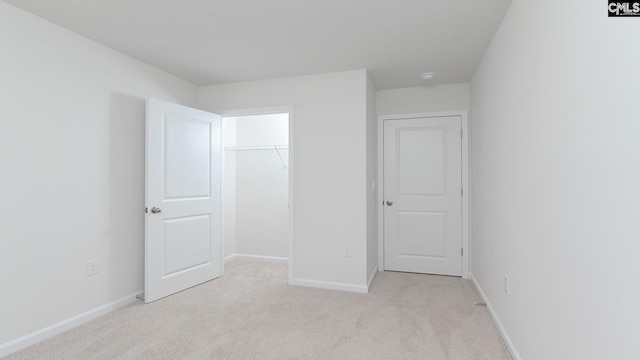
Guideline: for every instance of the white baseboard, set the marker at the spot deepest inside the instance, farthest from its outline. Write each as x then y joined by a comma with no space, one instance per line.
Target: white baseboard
371,276
330,285
58,328
282,260
507,340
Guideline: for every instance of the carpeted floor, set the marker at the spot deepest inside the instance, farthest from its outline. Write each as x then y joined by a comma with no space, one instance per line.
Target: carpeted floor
251,313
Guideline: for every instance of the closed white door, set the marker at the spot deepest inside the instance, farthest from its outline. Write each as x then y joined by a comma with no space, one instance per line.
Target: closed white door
422,195
183,198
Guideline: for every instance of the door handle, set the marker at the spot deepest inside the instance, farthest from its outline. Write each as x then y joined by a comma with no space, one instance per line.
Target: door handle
389,203
155,210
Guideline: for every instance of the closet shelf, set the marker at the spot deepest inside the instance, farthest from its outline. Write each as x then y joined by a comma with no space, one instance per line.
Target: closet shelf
277,148
260,147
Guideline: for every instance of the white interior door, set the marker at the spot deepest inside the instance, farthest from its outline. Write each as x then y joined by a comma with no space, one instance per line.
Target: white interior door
183,191
422,195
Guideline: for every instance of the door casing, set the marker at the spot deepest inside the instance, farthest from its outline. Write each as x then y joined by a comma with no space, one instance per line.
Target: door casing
465,182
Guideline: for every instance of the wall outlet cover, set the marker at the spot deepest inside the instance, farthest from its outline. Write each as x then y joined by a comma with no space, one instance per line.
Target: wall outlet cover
506,284
92,267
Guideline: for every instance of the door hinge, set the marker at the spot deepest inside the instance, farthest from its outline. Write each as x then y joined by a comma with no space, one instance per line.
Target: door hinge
461,192
461,132
461,251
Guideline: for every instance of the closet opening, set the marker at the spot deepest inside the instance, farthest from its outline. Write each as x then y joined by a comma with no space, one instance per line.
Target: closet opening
256,187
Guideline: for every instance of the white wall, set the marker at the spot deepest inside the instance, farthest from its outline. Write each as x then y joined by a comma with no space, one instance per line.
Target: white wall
329,167
262,187
423,99
72,185
556,201
267,129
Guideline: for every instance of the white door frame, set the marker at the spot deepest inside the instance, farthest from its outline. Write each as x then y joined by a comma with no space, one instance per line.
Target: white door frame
268,111
465,181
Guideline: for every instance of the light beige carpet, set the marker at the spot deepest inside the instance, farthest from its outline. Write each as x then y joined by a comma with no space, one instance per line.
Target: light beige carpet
251,313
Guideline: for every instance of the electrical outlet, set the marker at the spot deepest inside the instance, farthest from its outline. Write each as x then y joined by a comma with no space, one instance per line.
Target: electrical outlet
347,251
506,284
92,267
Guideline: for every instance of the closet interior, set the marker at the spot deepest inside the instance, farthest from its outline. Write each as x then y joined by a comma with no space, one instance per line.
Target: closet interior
256,187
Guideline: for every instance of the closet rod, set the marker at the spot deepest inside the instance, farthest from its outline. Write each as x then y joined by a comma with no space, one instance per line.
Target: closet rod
261,147
277,148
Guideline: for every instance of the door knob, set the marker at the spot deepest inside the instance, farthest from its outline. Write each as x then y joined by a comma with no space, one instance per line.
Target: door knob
155,210
389,203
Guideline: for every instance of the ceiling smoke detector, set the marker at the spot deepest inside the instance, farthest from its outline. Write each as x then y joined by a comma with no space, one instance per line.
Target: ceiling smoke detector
428,76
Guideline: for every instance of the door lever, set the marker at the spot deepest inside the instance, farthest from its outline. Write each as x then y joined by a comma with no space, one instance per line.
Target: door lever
155,210
389,203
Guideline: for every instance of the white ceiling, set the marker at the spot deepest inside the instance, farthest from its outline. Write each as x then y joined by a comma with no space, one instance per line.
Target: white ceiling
220,41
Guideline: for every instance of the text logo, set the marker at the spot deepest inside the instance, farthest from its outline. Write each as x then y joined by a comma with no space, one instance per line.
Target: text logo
624,8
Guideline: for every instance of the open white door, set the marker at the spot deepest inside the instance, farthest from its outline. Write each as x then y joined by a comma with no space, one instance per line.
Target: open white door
183,191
